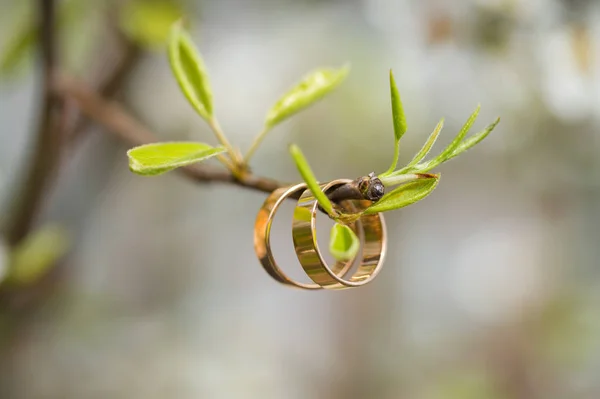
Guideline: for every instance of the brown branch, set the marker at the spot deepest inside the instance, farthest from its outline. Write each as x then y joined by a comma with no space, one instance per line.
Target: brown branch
111,85
46,152
66,125
121,124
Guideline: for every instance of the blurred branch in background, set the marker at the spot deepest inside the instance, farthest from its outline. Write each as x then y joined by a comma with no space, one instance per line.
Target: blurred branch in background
59,123
117,121
46,149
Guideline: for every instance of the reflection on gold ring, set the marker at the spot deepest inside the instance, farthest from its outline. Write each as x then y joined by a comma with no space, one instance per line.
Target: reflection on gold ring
374,243
371,229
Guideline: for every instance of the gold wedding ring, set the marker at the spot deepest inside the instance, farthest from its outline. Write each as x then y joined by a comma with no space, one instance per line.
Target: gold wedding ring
370,229
373,239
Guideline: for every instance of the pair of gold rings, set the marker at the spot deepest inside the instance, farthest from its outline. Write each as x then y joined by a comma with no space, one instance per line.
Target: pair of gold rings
369,228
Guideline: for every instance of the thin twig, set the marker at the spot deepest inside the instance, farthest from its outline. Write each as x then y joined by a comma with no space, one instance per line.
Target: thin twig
118,122
236,161
44,159
111,85
255,144
121,124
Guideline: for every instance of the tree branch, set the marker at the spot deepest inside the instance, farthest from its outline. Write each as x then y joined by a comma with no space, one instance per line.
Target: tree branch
46,152
111,85
119,123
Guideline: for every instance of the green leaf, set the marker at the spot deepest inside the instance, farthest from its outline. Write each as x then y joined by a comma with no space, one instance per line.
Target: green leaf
473,140
397,110
399,121
189,70
427,146
443,156
312,88
310,180
148,22
157,158
18,48
22,35
404,195
343,242
37,253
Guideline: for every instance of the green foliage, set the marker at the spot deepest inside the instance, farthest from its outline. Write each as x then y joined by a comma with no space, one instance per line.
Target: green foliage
189,70
473,140
458,145
443,157
465,384
17,50
71,17
343,242
18,47
148,22
311,89
311,181
157,158
397,110
428,144
37,253
404,195
399,120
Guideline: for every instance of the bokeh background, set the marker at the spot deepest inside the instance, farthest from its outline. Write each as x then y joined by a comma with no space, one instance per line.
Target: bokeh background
491,288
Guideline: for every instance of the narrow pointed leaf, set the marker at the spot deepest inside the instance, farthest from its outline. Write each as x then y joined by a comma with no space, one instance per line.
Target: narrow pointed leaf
158,158
399,121
404,195
189,70
473,140
397,110
428,144
343,242
310,179
311,89
459,137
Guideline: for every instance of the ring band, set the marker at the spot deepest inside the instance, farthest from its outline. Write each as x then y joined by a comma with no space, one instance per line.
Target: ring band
262,238
370,229
304,233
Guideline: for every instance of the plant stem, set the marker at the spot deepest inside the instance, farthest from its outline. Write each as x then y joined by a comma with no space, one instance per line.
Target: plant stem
394,160
117,121
236,163
256,144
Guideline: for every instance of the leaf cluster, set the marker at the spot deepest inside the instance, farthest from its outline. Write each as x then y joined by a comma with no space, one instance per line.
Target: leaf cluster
410,183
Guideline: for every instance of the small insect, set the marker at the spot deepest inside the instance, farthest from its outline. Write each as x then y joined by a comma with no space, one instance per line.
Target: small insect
365,187
371,187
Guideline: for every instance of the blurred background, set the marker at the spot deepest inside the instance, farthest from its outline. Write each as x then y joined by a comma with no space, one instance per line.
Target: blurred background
491,288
